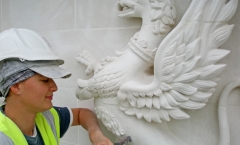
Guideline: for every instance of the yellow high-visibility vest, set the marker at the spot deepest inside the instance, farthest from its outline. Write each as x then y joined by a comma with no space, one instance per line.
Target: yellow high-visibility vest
10,129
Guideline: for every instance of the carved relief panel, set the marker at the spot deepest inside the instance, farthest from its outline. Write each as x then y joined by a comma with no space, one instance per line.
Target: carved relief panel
165,69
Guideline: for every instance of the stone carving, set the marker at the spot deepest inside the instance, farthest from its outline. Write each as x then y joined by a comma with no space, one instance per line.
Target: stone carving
162,71
222,112
109,121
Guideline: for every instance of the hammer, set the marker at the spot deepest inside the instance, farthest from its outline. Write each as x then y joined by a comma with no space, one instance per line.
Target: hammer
124,141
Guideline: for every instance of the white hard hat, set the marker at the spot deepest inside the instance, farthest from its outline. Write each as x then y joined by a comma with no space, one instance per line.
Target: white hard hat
25,44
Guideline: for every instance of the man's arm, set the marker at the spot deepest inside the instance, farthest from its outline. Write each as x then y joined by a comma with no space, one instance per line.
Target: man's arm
87,119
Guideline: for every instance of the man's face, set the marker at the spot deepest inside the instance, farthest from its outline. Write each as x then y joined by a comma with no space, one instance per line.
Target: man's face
36,93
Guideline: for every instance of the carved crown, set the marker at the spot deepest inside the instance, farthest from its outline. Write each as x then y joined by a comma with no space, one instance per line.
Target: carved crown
140,48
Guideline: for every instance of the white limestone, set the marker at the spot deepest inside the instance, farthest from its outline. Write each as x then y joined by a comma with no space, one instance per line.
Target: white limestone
73,26
155,77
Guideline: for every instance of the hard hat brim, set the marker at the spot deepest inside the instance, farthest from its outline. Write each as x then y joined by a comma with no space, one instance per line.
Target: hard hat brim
51,71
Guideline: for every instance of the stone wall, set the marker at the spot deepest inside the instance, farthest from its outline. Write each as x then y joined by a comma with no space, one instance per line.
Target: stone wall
72,26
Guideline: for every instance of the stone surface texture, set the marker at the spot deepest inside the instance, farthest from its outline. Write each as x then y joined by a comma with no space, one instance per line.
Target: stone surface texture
74,26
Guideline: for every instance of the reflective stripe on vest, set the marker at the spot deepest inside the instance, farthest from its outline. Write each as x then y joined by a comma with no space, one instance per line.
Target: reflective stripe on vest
10,129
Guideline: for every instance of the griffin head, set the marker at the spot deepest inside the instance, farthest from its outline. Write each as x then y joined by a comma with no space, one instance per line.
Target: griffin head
160,13
133,8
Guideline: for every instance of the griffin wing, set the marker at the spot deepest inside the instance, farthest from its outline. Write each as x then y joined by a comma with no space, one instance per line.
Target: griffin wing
185,69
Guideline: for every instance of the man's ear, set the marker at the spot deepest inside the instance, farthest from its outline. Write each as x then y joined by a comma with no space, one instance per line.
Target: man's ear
15,89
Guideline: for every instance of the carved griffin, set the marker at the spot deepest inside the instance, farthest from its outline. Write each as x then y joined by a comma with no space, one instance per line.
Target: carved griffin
164,69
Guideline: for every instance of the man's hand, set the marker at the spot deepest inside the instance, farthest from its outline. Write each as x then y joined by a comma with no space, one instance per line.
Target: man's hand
87,119
97,138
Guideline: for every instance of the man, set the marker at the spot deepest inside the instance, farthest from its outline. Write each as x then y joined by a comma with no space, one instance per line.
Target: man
27,69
